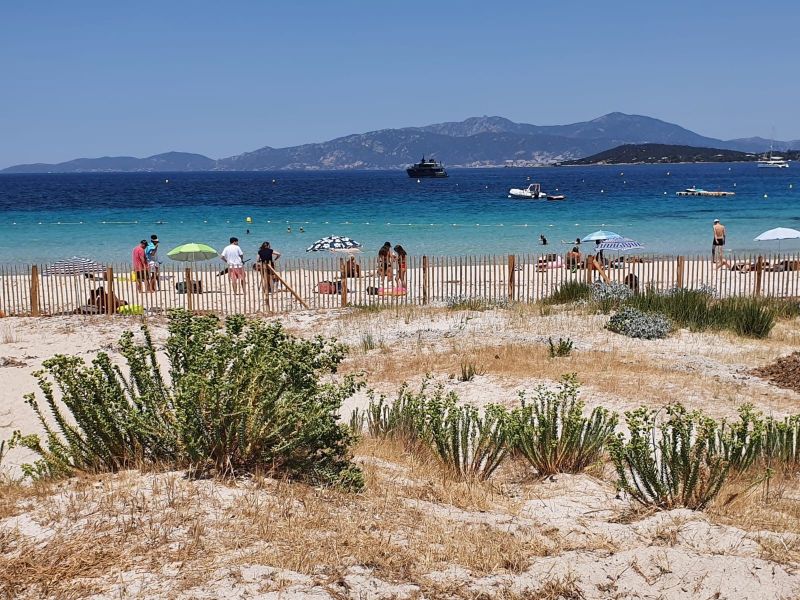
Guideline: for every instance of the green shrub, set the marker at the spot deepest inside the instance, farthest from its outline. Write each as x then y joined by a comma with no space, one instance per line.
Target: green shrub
569,292
403,419
471,446
781,442
698,310
553,434
669,464
749,317
242,399
563,348
634,323
740,442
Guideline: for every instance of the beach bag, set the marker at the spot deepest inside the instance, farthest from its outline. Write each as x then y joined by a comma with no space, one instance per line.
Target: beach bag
329,287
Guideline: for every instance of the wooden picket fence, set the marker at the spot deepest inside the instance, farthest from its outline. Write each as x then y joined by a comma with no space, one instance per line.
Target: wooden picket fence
320,283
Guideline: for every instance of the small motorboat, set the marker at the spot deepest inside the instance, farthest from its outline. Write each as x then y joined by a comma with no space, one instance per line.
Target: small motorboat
556,197
532,192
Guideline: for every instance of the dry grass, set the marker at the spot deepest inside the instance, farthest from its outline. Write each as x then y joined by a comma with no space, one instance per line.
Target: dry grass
8,334
753,503
632,377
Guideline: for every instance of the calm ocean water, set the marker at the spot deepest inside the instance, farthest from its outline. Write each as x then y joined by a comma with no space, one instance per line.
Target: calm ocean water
102,216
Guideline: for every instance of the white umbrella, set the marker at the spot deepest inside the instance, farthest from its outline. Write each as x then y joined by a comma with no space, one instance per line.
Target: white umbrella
779,233
601,235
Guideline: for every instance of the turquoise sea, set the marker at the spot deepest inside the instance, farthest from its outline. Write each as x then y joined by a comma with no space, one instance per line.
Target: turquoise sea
102,216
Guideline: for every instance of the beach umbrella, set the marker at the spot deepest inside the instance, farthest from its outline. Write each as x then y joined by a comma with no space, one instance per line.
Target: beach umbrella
335,243
778,234
619,244
192,252
74,266
601,235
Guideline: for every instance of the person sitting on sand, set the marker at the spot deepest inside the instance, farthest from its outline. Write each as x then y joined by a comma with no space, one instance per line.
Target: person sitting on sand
632,281
352,268
574,257
104,301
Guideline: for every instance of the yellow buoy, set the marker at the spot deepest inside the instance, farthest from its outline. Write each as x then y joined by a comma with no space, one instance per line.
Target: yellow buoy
249,220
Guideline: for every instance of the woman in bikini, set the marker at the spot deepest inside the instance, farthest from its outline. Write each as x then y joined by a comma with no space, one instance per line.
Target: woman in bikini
385,262
402,265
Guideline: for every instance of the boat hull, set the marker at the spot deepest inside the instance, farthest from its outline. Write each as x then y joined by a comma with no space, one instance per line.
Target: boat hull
432,173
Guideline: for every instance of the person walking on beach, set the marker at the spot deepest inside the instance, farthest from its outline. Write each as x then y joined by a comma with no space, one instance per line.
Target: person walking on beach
402,265
233,256
151,252
718,245
139,260
266,261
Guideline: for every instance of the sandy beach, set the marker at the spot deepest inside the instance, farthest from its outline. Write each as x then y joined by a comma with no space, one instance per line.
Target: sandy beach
319,284
413,534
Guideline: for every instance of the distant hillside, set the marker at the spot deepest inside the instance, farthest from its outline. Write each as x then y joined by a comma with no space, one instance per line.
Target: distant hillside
475,142
169,161
661,153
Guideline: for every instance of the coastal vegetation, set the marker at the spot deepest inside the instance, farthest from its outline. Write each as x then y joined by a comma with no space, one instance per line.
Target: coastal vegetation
668,153
450,484
245,398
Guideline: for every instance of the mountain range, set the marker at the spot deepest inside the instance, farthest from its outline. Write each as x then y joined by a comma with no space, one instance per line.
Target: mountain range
474,142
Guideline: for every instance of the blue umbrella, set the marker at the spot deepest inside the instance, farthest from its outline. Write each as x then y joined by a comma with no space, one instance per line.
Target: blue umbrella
601,235
618,244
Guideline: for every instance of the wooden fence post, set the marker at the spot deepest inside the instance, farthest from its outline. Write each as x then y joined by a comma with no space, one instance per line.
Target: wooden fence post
187,282
589,267
512,260
35,310
424,280
343,279
109,299
679,266
759,271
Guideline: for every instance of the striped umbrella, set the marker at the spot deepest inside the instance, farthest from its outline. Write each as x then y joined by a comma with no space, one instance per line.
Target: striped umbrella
74,266
334,243
619,244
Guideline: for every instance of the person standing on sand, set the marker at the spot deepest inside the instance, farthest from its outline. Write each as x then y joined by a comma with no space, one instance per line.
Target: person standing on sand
402,265
139,260
718,245
385,262
151,252
233,256
266,261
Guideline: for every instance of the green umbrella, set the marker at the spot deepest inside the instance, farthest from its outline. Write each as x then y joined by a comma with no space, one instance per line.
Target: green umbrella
192,252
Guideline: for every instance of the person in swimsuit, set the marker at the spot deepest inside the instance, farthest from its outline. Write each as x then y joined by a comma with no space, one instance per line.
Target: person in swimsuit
401,265
266,260
385,262
718,244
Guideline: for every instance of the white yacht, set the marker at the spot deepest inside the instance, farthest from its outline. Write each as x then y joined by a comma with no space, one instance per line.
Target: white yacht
773,162
532,192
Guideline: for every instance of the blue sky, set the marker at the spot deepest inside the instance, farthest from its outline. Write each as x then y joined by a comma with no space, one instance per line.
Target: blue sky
219,78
